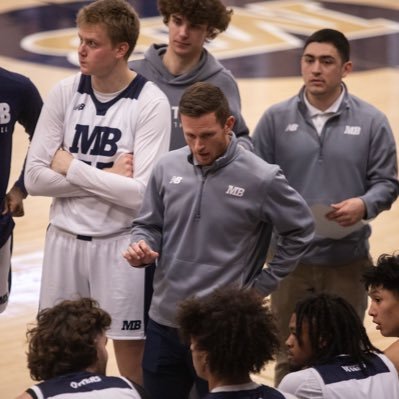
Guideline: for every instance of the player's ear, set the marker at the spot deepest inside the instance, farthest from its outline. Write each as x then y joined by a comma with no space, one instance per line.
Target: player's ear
121,49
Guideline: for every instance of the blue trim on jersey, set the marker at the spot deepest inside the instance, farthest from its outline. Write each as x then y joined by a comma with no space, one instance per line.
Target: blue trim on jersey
261,392
343,369
82,381
132,91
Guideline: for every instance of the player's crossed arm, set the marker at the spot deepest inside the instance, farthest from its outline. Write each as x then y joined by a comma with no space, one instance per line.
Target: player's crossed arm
122,166
140,254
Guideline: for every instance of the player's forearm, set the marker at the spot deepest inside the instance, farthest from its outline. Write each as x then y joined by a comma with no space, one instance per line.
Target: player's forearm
45,182
116,189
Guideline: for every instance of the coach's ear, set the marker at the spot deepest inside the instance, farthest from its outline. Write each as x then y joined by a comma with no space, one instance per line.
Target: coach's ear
228,126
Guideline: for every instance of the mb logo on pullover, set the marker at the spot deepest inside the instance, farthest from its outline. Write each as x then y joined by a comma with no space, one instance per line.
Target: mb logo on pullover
235,191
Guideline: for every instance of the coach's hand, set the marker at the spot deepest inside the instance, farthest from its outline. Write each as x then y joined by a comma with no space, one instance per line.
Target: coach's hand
140,254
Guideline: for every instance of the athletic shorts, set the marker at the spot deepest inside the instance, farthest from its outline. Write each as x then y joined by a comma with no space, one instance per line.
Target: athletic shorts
5,273
77,266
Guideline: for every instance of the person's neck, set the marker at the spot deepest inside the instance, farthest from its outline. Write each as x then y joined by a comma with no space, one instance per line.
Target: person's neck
215,382
178,65
323,102
115,81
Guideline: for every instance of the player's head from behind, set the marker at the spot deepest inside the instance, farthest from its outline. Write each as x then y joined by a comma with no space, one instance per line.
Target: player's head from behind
382,284
212,15
323,327
231,333
206,121
118,20
68,337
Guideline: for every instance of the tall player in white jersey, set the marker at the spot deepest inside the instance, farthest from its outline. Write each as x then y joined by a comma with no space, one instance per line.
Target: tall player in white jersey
98,136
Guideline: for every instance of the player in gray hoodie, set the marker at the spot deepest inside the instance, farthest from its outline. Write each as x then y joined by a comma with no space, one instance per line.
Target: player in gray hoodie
184,60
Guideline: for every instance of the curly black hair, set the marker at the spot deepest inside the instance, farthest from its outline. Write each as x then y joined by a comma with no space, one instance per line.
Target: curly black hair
384,274
64,338
234,326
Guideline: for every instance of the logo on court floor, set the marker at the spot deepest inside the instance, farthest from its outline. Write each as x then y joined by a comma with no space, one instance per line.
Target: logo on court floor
266,37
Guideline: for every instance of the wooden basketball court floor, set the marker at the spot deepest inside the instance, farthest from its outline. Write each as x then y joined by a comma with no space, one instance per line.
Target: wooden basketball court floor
380,86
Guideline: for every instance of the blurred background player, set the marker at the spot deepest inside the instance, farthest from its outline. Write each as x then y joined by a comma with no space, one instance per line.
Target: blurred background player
184,60
20,102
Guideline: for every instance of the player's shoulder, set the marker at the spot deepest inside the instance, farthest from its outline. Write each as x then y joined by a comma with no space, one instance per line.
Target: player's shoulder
15,80
292,381
6,74
150,92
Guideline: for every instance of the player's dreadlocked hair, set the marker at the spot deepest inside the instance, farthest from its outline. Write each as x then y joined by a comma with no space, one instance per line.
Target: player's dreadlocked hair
234,327
334,329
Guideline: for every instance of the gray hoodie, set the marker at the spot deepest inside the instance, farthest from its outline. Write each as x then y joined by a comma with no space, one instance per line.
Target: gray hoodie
212,226
208,70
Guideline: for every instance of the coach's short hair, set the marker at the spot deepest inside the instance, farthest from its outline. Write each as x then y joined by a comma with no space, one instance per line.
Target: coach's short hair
203,98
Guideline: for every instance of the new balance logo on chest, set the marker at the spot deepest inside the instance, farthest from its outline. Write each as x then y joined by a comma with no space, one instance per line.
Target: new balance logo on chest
175,180
291,127
235,191
79,107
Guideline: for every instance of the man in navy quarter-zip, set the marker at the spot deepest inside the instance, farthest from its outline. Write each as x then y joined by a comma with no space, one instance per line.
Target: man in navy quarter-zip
207,217
339,153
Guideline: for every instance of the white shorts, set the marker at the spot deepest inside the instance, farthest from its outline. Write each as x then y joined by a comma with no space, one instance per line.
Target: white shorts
5,270
80,266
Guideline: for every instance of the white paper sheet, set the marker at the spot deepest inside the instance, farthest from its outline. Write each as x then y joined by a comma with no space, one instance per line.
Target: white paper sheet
329,228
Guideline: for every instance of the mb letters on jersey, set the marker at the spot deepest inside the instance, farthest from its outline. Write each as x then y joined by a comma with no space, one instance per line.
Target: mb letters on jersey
5,117
102,141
